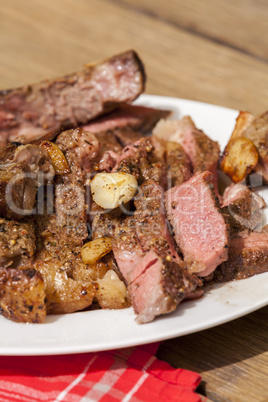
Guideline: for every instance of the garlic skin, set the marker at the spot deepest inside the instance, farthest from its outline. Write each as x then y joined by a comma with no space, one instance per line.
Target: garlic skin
109,190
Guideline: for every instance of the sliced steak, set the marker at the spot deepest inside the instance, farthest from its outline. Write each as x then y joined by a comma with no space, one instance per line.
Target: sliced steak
199,227
128,122
242,207
202,151
248,256
40,110
178,164
151,223
22,295
157,286
257,132
127,250
17,243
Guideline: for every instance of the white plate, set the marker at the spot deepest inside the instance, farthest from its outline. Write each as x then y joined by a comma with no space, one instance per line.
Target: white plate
103,330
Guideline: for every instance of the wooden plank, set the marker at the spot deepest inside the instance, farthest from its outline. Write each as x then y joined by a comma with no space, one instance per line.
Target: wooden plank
232,358
45,39
241,24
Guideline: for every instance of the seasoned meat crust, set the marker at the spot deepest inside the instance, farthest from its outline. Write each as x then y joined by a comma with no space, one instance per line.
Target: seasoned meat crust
158,286
17,243
40,110
22,169
151,222
248,256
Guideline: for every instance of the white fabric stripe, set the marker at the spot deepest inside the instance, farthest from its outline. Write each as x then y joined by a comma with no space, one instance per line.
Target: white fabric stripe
8,396
140,380
136,387
76,381
105,384
26,392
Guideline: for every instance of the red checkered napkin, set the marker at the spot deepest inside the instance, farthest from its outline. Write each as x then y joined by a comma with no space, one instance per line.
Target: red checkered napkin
132,374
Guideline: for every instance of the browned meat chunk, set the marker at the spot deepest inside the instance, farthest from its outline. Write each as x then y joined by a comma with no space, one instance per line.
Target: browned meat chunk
22,295
199,227
248,256
17,243
40,110
242,207
22,170
66,289
66,229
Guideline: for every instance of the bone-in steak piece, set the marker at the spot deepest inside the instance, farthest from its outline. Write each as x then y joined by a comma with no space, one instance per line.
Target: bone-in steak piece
40,110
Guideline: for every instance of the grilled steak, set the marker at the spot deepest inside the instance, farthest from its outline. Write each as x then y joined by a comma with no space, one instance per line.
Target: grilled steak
157,286
199,227
203,152
17,243
22,295
242,207
248,256
40,110
146,256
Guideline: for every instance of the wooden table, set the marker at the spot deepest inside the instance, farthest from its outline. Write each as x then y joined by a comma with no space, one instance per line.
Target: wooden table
212,51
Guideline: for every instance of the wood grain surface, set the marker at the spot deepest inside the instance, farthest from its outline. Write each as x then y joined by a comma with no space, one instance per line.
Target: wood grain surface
215,52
